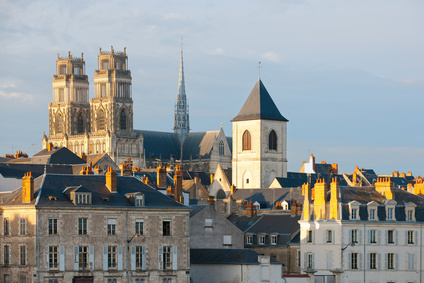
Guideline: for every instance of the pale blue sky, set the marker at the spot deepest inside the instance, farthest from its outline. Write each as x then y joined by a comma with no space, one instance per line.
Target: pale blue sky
347,74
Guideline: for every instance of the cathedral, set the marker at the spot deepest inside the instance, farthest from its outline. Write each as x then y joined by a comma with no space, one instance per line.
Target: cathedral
104,124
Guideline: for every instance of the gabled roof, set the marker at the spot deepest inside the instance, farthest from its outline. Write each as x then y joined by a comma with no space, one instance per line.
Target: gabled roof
18,170
58,155
275,223
225,256
199,144
295,179
269,196
161,145
259,105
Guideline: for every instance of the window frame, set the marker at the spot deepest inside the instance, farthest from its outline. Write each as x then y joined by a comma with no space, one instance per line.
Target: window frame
111,226
6,226
22,226
410,239
139,226
82,226
53,257
22,255
246,141
112,257
373,261
166,228
272,141
391,237
167,257
329,236
139,257
390,261
52,226
354,261
249,239
373,236
6,255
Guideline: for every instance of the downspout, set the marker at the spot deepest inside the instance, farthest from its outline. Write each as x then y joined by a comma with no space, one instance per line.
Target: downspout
421,252
37,236
128,245
364,258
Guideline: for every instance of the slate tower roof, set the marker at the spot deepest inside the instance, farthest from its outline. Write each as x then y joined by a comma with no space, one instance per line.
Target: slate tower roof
259,105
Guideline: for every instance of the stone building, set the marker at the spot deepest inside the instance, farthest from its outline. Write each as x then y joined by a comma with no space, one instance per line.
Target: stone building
92,228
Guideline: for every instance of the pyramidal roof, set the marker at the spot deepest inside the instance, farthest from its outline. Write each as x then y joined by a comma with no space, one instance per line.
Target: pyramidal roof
259,105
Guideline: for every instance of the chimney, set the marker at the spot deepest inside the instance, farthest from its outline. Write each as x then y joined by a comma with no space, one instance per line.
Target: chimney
306,188
97,169
418,187
178,185
320,197
335,167
111,180
395,174
334,200
233,188
409,173
293,208
27,188
49,146
249,209
197,179
161,176
312,160
385,187
212,176
83,157
298,208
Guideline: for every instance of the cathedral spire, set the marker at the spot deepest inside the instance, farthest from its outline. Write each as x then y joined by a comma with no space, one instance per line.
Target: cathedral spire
181,118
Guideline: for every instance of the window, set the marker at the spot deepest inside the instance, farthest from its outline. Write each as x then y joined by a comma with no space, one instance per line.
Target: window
227,240
139,201
390,213
100,120
329,236
167,258
6,226
80,124
373,238
59,124
390,260
390,237
22,255
61,95
139,223
53,280
410,215
166,280
273,240
82,226
22,278
6,255
111,257
310,260
139,280
83,198
354,212
123,120
249,239
310,236
166,228
272,141
354,261
410,236
7,278
62,69
83,258
53,258
221,148
246,140
111,226
372,214
261,240
373,261
22,226
112,280
208,223
138,257
52,226
105,64
354,236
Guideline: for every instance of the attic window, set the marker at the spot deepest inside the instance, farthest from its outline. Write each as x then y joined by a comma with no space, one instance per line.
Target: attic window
390,209
208,223
410,211
354,210
52,198
82,198
139,200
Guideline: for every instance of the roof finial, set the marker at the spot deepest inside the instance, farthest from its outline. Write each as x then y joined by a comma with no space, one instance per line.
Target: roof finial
221,125
259,67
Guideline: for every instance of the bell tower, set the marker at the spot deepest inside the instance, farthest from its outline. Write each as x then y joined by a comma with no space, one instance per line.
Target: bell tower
69,111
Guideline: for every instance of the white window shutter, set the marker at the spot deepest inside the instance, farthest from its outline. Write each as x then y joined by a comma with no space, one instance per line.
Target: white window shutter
396,237
62,258
47,258
368,261
360,237
369,237
379,261
305,262
143,265
349,261
120,257
416,238
91,257
160,253
412,261
328,260
76,257
379,237
350,235
406,237
175,258
313,260
105,266
133,258
386,261
387,237
397,261
360,262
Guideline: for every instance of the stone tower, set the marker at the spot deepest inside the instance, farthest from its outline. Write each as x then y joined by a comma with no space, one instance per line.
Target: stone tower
69,112
259,141
181,116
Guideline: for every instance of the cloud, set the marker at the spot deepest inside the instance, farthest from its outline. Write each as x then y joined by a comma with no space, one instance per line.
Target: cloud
174,16
217,51
8,91
271,56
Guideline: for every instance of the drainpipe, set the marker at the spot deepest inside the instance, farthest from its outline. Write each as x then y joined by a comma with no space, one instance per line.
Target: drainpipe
364,258
421,252
37,236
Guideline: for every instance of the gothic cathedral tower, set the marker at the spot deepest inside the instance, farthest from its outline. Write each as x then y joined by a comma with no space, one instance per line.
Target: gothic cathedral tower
69,112
181,116
259,141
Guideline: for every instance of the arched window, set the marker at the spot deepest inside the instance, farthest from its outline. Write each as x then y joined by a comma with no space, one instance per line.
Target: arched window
246,140
100,120
272,142
221,148
220,194
80,124
59,124
123,120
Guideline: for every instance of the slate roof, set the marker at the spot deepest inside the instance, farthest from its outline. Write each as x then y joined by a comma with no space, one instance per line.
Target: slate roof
4,159
18,170
295,179
199,144
160,144
55,185
243,222
259,105
196,209
269,196
225,256
58,155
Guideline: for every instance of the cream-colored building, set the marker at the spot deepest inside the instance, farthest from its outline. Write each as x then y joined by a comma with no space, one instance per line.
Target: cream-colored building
103,124
92,228
259,141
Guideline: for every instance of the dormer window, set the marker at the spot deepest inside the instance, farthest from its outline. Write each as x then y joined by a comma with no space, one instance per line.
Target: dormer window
78,195
354,210
390,210
372,214
390,213
410,211
82,198
139,200
284,205
354,213
372,210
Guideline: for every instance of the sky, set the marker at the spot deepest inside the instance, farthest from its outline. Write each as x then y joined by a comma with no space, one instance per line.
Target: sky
348,75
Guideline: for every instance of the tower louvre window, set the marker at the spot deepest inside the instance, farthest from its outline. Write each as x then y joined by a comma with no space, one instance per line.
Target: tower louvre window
105,64
61,95
103,90
246,140
221,148
272,142
123,120
80,124
59,124
100,120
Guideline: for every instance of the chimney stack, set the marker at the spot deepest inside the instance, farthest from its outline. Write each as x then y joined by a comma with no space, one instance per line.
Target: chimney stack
306,189
111,180
320,197
27,188
249,209
161,176
49,146
385,187
178,185
334,200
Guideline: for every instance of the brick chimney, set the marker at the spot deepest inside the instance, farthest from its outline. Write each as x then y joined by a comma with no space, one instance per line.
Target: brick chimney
111,180
249,209
306,189
320,198
335,168
233,188
419,186
27,188
49,146
178,185
161,176
385,187
83,156
334,200
293,208
212,176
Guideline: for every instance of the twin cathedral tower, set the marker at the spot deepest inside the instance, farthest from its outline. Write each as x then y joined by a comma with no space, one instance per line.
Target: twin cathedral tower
104,123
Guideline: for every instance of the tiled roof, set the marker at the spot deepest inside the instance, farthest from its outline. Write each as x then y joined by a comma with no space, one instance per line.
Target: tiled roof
259,105
18,170
225,256
269,196
161,145
199,144
58,155
275,223
295,179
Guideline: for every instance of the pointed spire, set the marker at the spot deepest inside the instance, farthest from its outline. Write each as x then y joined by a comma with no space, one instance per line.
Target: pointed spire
181,118
181,83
